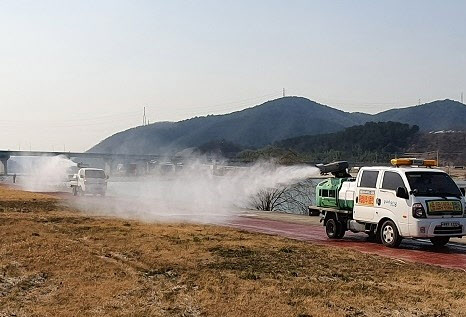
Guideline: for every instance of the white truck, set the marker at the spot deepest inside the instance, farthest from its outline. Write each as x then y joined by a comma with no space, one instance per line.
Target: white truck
408,200
89,181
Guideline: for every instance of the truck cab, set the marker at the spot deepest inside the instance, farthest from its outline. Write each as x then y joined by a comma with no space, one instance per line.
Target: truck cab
89,181
408,200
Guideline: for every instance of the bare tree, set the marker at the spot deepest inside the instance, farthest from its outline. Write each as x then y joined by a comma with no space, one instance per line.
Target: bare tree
294,198
270,199
299,196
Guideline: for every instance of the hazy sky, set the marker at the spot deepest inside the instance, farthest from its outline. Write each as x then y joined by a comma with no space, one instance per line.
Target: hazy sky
75,72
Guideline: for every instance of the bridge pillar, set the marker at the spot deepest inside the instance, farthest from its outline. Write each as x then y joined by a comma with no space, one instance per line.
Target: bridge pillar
4,160
108,164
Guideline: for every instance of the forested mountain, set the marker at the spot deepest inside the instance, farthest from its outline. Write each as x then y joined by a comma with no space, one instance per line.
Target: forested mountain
434,116
253,127
368,143
363,143
272,121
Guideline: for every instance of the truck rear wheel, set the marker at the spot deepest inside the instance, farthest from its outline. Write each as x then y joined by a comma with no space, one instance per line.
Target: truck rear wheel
341,232
374,236
439,241
334,229
389,234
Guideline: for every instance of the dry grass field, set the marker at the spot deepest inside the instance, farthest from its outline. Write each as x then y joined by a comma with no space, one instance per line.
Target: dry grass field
59,262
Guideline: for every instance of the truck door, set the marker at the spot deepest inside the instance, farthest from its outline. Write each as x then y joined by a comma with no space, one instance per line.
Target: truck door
365,200
389,205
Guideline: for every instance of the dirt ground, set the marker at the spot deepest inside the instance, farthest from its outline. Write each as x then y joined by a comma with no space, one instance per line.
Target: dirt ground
60,262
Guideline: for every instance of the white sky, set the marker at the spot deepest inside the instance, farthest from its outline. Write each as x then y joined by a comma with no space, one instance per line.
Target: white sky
75,72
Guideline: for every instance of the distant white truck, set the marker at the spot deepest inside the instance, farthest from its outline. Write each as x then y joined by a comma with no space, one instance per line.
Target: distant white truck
89,181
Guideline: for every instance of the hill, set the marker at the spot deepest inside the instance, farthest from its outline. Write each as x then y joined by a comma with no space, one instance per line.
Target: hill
253,127
363,143
434,116
272,121
368,143
451,146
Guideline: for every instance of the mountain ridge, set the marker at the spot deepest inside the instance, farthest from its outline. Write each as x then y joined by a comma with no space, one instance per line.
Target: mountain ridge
273,121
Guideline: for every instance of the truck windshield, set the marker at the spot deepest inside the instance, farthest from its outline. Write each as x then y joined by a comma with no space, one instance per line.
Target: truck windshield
432,184
95,174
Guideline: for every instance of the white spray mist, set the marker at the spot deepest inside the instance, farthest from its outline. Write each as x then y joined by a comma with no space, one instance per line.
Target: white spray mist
46,174
193,194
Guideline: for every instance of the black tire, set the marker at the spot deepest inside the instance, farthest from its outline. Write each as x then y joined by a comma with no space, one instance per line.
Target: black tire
374,236
389,234
75,191
440,241
341,231
333,229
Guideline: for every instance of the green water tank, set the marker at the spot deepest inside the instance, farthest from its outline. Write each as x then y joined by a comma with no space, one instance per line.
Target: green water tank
327,193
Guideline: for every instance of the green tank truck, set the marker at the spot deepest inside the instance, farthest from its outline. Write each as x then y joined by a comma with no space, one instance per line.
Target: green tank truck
327,191
409,200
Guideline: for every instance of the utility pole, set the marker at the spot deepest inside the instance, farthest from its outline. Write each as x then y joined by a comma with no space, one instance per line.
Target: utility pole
144,117
462,97
419,102
283,92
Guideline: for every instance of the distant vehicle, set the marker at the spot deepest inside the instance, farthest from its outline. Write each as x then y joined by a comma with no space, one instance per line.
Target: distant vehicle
408,200
89,181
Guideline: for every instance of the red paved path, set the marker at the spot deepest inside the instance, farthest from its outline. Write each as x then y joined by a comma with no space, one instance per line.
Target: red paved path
452,256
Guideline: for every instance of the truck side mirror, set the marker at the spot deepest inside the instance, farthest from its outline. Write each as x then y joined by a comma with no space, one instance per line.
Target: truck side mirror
81,176
463,191
401,192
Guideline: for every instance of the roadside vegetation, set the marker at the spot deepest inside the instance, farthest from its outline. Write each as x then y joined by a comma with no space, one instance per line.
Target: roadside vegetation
60,262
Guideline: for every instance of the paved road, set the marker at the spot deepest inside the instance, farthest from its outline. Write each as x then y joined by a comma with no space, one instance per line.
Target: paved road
420,251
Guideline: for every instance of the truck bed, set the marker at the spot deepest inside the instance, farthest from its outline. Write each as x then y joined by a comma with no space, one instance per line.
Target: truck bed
314,209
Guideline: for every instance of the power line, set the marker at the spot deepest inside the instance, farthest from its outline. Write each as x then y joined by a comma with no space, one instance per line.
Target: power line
233,103
103,117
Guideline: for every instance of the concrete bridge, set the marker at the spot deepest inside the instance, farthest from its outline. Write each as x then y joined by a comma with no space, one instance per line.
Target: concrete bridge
108,158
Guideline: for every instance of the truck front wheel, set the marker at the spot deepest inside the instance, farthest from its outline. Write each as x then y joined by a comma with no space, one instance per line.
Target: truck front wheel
334,229
75,191
389,234
439,241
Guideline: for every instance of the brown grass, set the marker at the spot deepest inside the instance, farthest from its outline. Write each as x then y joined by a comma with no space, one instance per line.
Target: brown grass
63,263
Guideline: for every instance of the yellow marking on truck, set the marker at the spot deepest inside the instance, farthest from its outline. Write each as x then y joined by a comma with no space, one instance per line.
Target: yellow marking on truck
439,205
366,199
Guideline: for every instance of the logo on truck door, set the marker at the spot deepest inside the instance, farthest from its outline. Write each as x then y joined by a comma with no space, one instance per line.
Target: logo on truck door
366,197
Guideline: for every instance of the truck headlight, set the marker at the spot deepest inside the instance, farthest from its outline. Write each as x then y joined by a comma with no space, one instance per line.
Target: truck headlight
418,211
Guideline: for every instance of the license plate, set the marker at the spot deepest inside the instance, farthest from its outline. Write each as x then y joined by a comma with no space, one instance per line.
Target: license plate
450,224
438,206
